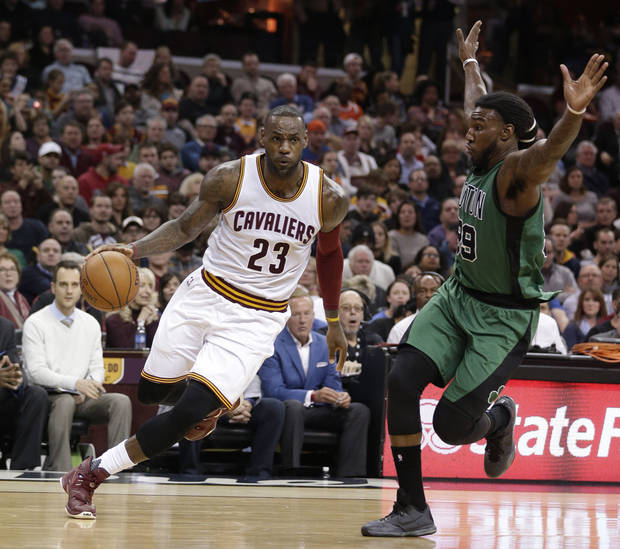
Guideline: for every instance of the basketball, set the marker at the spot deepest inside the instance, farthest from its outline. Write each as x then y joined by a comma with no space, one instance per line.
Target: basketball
109,280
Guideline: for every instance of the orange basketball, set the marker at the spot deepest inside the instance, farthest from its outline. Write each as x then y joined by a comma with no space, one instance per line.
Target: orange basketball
109,280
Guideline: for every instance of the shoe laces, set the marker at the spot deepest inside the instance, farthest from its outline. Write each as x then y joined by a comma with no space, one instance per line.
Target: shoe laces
494,449
89,482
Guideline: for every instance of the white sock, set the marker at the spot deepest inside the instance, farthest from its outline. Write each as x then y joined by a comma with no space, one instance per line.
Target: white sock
115,459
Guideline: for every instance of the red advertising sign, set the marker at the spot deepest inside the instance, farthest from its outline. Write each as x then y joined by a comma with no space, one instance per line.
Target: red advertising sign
563,431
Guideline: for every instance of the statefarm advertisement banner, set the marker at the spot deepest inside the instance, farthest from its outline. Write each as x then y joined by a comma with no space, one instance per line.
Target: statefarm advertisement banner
563,431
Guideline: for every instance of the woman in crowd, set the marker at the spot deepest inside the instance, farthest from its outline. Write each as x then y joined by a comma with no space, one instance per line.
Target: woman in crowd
590,310
153,217
124,124
453,159
13,305
573,190
5,236
121,206
398,293
56,102
190,186
427,109
366,131
407,238
40,134
429,258
608,264
42,51
13,142
95,133
329,164
157,85
168,284
383,247
121,327
392,169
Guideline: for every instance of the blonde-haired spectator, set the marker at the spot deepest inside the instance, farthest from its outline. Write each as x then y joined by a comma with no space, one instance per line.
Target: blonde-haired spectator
190,186
121,327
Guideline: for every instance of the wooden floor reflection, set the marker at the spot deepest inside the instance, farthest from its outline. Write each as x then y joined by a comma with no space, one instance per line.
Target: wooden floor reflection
150,512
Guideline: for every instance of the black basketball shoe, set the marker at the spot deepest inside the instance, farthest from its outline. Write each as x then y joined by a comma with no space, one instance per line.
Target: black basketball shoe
500,450
404,521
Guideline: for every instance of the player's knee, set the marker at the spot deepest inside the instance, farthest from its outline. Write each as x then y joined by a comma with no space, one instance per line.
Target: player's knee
451,424
411,372
196,402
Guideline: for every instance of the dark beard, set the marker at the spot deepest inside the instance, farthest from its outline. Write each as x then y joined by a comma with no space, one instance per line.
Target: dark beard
482,165
276,169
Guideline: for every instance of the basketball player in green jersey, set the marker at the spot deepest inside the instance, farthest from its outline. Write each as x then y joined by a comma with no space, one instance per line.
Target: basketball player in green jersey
475,330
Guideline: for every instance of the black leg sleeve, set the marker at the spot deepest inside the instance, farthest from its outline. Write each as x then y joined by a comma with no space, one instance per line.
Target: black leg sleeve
411,372
162,431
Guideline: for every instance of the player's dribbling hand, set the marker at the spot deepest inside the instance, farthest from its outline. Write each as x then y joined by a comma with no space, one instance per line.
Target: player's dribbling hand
469,46
122,248
578,93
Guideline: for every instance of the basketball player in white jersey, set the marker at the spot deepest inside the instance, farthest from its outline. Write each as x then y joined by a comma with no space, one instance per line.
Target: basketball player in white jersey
221,323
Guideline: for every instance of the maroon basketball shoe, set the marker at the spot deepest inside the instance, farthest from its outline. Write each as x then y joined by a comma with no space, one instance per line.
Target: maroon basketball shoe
79,484
207,425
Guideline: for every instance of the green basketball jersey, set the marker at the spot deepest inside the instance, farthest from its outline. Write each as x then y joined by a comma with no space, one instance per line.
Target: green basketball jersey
499,256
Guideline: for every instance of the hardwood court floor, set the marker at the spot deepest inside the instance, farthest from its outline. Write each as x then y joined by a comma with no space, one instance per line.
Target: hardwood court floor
139,511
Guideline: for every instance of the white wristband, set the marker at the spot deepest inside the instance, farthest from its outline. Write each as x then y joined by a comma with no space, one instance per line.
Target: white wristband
568,108
470,60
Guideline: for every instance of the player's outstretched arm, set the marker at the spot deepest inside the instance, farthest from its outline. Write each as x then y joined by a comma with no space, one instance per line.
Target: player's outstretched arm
534,166
474,85
329,263
217,191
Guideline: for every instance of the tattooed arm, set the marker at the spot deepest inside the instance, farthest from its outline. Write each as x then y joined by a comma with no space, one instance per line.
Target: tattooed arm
216,192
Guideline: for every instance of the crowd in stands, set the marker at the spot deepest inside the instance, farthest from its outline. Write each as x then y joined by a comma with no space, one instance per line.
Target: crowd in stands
103,154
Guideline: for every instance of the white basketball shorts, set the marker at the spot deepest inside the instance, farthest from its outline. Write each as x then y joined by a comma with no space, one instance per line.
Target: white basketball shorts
207,337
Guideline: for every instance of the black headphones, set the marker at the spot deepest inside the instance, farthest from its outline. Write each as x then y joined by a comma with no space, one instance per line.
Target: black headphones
434,274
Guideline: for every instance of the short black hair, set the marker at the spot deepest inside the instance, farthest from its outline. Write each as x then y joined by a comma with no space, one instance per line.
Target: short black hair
365,191
285,111
515,111
20,155
65,264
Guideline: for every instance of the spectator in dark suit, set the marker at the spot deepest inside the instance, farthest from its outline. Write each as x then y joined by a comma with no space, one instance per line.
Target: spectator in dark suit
300,374
76,159
37,278
594,179
23,407
194,104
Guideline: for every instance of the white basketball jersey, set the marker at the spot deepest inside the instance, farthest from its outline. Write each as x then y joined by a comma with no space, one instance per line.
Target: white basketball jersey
261,245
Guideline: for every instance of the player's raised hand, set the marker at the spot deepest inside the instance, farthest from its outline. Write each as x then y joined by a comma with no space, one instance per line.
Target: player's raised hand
126,249
336,341
468,46
578,93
